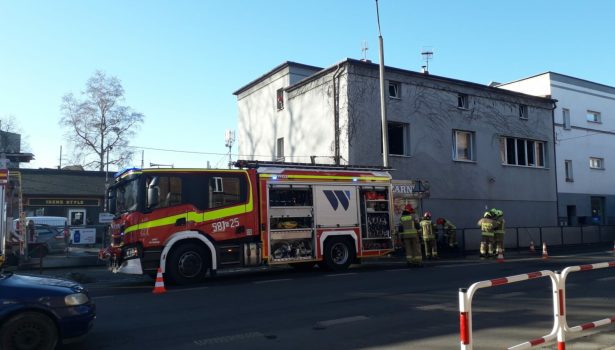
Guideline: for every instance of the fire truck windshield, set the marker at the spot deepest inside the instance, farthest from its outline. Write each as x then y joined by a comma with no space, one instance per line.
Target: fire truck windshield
126,196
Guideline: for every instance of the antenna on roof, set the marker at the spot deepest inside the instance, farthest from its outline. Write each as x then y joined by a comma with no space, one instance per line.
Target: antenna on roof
364,49
427,55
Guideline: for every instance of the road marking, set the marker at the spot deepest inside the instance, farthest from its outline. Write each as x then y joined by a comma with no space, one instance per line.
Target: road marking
273,281
338,321
342,274
606,279
185,289
103,297
508,295
434,307
228,338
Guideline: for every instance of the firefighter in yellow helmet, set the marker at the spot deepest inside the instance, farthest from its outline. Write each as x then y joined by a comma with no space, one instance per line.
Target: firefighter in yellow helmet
410,238
487,227
498,232
429,236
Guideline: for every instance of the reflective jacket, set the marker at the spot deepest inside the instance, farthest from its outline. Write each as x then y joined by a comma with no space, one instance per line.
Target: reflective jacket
427,228
449,225
487,226
407,222
501,226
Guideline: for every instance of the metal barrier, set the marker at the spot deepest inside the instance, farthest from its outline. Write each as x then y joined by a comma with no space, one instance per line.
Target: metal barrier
560,325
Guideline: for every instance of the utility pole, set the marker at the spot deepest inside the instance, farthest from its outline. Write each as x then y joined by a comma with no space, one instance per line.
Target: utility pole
383,106
229,138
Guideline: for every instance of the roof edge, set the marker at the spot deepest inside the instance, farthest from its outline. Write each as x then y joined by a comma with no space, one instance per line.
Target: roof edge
273,71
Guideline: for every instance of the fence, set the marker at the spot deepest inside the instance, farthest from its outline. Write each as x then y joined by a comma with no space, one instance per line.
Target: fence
560,326
519,238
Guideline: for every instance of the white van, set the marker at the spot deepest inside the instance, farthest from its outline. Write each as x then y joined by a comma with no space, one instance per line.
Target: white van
56,221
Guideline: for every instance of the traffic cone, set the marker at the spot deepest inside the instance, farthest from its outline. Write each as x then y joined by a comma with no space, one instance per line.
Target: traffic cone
545,255
159,286
500,258
532,249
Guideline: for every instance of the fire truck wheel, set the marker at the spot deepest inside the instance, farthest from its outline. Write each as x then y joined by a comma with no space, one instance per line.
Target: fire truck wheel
339,253
188,263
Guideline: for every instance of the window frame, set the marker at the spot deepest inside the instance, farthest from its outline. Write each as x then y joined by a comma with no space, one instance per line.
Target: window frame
279,149
405,137
523,112
279,99
597,117
599,161
566,118
568,170
534,152
463,101
471,145
396,87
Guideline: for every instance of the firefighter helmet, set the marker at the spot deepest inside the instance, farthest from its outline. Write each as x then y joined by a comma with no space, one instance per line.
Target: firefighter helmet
427,214
440,221
409,208
487,214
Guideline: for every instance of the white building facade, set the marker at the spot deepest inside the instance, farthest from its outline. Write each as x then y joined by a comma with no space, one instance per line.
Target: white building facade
584,125
477,147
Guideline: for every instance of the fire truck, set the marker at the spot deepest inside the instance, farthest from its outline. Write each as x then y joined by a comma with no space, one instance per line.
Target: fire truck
189,222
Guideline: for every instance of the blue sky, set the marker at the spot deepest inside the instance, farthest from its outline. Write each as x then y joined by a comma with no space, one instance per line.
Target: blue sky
180,61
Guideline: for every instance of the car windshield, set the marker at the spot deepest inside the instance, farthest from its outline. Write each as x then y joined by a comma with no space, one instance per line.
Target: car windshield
127,196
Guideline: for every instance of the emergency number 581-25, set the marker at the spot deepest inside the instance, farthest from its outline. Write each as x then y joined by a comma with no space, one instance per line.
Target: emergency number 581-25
223,225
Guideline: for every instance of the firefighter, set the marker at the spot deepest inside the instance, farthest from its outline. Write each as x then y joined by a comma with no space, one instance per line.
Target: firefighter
499,231
429,237
410,238
487,226
450,232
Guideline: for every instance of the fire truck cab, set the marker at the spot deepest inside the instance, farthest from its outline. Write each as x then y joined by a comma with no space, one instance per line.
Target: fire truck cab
190,221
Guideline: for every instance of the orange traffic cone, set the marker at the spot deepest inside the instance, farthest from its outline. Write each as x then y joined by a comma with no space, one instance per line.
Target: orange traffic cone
159,286
500,258
532,249
545,255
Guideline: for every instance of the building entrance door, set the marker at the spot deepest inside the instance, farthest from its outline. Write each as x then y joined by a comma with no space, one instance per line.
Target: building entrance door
597,206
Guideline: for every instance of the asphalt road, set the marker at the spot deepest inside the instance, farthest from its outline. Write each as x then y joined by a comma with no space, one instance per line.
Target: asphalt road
378,305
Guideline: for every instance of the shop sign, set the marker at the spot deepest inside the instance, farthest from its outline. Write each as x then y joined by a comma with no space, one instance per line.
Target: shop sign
64,202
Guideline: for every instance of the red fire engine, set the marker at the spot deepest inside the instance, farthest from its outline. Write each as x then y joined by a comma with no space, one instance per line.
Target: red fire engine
191,221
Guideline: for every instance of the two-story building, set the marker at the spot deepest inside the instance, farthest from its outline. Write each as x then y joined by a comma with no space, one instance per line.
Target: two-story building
476,146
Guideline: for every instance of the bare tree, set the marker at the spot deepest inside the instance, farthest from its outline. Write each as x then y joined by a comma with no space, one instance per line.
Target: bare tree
99,126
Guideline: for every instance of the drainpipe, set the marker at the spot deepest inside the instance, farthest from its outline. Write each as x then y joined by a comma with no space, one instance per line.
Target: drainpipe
555,160
336,115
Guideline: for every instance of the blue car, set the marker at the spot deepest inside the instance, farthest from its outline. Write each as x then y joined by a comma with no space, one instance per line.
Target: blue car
39,312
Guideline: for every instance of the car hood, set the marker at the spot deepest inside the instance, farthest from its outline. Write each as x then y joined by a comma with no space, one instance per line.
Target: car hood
42,284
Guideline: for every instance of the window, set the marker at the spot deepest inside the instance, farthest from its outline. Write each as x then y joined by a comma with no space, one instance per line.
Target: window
523,112
566,118
462,101
593,117
399,139
225,190
463,145
280,99
568,170
280,149
169,191
523,152
394,89
596,163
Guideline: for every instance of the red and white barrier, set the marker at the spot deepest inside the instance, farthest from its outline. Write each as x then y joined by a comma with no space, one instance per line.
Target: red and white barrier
560,326
465,302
